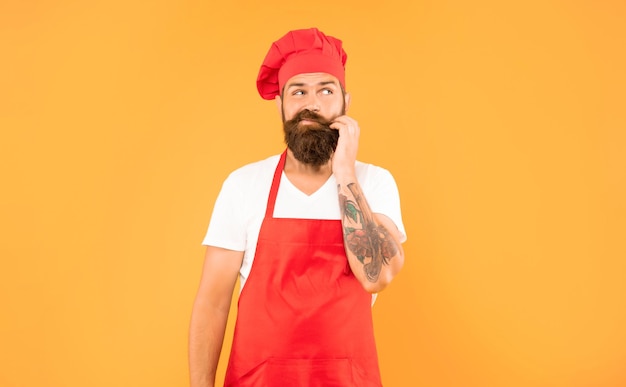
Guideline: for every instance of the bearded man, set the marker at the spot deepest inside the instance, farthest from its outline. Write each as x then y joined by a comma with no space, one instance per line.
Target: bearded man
313,235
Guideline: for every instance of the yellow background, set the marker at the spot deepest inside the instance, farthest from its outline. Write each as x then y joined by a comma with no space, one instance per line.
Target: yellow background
503,123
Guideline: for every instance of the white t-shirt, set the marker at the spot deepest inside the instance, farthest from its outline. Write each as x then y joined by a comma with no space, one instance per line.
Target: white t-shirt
242,202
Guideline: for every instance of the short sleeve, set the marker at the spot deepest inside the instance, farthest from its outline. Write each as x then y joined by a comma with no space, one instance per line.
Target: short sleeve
227,227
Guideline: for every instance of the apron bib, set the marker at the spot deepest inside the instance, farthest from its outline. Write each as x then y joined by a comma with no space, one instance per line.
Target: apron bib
303,318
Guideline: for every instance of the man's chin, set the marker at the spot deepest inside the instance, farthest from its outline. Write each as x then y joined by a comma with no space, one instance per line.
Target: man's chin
314,159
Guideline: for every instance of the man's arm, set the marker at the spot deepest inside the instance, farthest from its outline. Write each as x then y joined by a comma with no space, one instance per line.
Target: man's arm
210,313
372,241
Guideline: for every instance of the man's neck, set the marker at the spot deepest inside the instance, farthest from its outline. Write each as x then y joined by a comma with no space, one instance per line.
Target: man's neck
307,178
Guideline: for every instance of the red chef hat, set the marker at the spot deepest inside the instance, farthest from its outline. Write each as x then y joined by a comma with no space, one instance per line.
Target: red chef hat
298,52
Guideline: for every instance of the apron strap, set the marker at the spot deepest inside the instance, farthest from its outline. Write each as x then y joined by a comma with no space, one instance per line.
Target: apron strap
271,201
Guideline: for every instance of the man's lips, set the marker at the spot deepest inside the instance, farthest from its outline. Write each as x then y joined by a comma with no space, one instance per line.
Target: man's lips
314,122
310,122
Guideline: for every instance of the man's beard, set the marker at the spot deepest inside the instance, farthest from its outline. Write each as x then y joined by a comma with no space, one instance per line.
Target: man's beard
312,143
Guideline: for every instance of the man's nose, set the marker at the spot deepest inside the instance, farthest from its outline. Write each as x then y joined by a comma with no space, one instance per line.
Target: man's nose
312,103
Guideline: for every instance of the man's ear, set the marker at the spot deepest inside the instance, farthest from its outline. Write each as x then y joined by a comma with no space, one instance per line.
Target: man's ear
347,99
279,104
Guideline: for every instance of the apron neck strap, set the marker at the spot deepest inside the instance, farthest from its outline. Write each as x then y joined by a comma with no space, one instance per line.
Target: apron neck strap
271,201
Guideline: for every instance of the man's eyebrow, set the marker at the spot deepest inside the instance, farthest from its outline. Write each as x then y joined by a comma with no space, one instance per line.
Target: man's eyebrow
301,84
295,85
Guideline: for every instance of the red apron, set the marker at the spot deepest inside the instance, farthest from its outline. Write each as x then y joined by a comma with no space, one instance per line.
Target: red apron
303,318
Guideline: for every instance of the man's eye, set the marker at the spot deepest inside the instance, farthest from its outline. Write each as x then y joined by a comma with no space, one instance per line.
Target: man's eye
327,91
298,92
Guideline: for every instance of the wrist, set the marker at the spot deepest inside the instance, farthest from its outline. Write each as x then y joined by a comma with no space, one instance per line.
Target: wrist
343,178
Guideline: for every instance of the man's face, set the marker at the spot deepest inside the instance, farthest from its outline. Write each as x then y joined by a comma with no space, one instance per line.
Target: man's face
309,104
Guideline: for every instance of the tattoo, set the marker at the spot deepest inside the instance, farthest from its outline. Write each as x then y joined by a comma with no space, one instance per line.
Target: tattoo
369,242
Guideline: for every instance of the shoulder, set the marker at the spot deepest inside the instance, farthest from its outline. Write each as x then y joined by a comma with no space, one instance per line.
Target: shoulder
246,189
376,182
251,174
367,172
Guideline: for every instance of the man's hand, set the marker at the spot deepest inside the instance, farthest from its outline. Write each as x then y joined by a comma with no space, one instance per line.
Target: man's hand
347,146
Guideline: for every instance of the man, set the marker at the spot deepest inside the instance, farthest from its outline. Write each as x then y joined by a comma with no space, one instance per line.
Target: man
312,233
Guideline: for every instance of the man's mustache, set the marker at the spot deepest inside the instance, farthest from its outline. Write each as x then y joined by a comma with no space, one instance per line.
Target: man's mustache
311,116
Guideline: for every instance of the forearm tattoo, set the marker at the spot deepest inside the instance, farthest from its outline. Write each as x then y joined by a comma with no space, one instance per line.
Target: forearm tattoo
369,242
